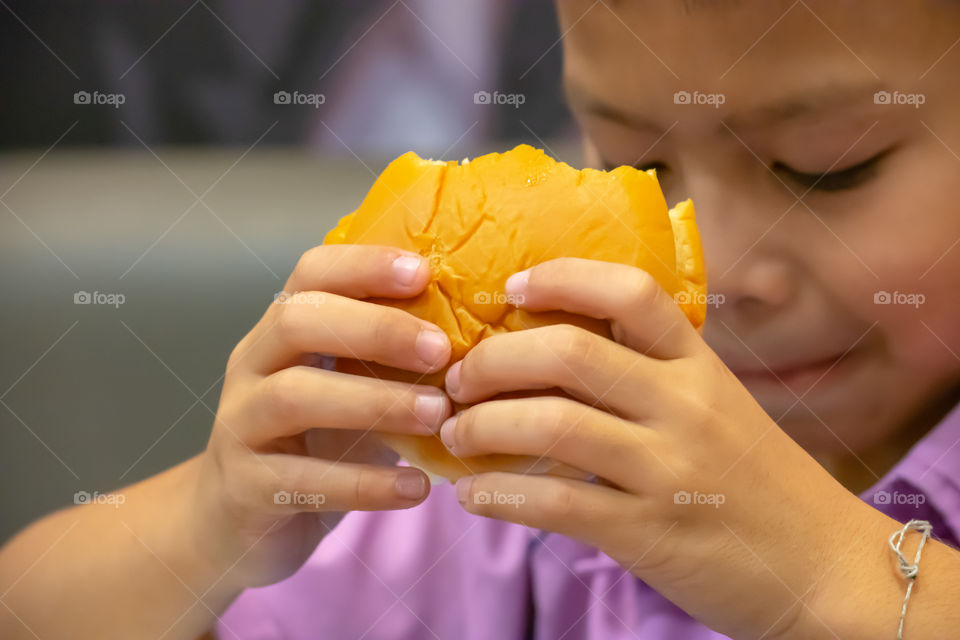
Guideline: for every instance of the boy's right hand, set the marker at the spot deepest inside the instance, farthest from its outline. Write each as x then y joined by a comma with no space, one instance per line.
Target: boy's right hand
293,446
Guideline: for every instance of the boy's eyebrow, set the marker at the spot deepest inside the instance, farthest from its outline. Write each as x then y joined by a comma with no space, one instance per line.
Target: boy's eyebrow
580,98
803,103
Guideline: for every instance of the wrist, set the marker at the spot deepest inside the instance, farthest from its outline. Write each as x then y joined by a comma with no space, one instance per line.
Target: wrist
203,533
861,595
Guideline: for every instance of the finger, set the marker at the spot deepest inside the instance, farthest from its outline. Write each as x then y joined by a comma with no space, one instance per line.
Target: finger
558,428
587,512
643,316
359,271
343,327
293,400
591,368
290,483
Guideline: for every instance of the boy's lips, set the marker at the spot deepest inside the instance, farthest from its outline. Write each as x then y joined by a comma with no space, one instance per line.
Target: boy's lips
798,376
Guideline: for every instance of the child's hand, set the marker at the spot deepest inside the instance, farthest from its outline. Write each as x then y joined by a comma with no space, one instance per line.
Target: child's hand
699,492
291,449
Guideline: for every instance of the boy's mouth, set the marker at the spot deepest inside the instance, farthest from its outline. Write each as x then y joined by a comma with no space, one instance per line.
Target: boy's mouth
799,376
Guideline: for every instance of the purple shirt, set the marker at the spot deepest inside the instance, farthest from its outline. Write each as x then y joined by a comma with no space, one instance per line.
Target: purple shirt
436,571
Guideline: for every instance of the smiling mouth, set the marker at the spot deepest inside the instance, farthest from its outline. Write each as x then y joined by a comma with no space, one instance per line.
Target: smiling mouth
798,377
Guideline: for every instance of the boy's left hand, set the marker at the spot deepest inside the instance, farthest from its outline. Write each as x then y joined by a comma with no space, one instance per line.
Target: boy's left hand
700,493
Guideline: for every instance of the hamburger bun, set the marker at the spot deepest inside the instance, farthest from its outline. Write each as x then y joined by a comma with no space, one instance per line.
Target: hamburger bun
480,221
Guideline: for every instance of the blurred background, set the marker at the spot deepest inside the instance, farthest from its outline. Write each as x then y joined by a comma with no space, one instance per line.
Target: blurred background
163,166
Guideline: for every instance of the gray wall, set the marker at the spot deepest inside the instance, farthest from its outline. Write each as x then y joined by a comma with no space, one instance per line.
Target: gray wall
96,396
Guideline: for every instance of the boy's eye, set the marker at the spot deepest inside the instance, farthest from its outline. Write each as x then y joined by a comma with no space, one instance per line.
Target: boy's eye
839,180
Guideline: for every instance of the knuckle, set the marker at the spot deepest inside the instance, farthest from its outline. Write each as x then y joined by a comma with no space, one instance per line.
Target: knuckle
306,264
560,503
555,422
385,326
288,323
388,404
575,347
236,355
642,290
280,399
569,428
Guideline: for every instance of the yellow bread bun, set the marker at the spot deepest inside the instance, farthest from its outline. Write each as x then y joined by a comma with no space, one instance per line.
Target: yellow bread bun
480,221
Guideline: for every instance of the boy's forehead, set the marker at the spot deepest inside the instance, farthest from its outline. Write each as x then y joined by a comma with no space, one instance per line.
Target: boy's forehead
753,49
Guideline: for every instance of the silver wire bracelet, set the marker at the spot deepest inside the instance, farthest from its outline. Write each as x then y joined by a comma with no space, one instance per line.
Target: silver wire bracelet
909,571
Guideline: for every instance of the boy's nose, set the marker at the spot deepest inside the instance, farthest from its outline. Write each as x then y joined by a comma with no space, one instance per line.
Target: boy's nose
751,268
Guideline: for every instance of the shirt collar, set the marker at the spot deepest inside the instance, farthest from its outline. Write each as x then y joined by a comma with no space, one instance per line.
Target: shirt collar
932,469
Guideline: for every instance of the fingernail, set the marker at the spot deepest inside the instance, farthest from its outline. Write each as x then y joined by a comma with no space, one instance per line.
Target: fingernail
411,484
516,286
452,381
432,346
428,408
463,489
446,432
405,269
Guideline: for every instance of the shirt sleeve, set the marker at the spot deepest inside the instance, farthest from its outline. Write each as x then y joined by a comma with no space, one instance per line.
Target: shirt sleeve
430,571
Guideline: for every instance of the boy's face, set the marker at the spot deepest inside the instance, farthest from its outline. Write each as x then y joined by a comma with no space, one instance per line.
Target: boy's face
772,96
